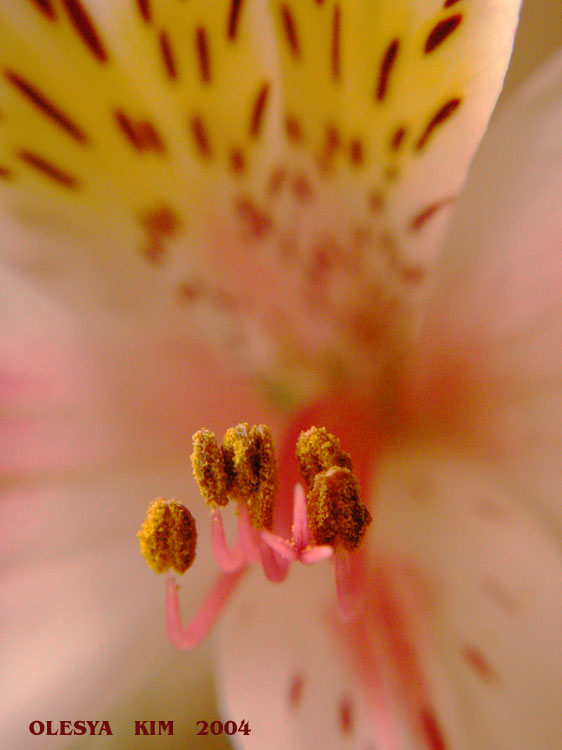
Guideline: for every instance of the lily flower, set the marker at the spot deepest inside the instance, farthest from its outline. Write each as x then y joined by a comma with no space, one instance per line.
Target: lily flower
272,182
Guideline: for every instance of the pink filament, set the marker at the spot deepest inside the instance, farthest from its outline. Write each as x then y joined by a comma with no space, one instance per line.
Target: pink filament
228,560
247,536
190,636
348,574
301,532
274,566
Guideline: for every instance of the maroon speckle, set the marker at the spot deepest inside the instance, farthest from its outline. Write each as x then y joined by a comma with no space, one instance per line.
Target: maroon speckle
201,137
276,180
290,30
293,129
397,138
258,110
375,201
86,29
478,663
189,292
413,274
432,731
168,56
301,187
423,216
387,63
162,221
144,10
500,596
46,7
441,31
237,161
295,691
48,169
356,152
448,3
336,34
257,221
5,173
33,95
202,47
141,134
233,19
442,114
345,716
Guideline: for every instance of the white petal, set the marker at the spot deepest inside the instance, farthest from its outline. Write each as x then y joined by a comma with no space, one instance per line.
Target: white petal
492,343
143,146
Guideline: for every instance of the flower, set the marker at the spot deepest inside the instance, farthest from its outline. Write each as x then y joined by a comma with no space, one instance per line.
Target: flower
311,220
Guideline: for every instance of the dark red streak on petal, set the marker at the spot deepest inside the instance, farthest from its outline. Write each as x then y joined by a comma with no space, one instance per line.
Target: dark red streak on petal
201,137
431,731
87,32
478,663
420,219
346,716
290,30
295,691
144,10
202,48
448,3
336,34
385,69
441,31
48,169
168,56
258,111
233,19
438,118
45,7
45,106
397,138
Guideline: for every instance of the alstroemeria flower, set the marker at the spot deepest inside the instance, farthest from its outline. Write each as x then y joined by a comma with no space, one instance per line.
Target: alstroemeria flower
274,179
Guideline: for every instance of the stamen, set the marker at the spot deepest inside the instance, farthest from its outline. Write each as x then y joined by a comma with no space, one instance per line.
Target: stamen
227,559
208,468
251,468
168,536
247,536
187,638
318,450
336,514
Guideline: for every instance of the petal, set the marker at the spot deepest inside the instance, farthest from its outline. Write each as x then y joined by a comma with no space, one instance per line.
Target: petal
490,361
210,159
485,588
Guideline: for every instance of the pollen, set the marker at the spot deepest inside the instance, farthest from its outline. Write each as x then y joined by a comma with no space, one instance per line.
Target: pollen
168,536
336,513
251,468
317,451
208,468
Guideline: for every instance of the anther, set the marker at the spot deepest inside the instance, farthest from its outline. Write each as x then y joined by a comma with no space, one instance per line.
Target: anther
251,470
208,468
336,513
168,536
318,450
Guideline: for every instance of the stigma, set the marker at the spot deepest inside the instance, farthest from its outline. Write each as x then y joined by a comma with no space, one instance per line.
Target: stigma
329,519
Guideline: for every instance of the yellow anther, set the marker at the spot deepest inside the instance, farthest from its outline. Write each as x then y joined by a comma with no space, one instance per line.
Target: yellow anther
318,450
208,468
336,513
168,536
251,468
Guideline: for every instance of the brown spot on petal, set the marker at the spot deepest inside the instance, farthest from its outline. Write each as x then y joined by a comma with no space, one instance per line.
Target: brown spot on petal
144,10
203,54
290,30
422,217
237,161
387,63
5,173
168,57
46,7
201,137
397,138
48,169
356,152
84,26
478,663
233,19
335,49
442,114
301,187
295,691
293,129
257,221
345,716
141,134
441,31
47,107
448,3
258,110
